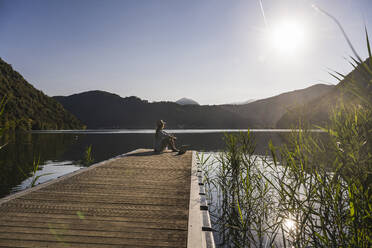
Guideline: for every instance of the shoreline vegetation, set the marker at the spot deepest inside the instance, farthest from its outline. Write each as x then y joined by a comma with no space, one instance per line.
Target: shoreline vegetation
310,192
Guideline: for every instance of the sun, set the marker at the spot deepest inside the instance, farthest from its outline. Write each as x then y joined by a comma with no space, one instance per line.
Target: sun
287,36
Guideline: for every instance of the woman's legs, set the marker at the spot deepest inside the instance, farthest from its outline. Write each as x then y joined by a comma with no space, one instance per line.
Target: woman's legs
170,142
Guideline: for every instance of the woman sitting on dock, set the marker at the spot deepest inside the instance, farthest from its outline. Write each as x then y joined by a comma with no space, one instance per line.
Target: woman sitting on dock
163,139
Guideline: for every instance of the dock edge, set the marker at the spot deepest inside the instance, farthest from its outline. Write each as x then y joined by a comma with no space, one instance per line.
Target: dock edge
199,225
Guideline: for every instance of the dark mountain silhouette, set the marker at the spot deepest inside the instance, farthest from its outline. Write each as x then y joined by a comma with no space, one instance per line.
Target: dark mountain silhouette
268,111
187,101
318,111
29,108
99,109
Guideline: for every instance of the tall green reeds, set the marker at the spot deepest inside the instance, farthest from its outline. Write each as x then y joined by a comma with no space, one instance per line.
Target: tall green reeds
314,191
88,158
33,175
310,193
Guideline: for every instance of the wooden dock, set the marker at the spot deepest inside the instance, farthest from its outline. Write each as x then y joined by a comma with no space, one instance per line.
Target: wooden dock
140,199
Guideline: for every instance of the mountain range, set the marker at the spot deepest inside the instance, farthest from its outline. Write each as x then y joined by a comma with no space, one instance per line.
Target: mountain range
187,101
99,109
30,108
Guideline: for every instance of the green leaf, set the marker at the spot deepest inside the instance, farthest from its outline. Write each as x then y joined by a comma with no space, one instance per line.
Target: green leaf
240,211
339,74
272,150
339,79
369,47
352,211
33,183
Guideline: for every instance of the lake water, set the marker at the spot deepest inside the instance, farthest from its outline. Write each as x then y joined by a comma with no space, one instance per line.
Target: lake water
62,152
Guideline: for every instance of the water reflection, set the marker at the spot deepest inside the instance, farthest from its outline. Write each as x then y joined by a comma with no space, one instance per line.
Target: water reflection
63,151
22,149
244,206
49,171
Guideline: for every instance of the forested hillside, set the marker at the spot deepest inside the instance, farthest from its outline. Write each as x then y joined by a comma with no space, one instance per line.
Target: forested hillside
318,111
268,111
99,109
29,108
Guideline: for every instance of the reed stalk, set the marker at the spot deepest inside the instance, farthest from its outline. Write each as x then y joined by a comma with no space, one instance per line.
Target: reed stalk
314,191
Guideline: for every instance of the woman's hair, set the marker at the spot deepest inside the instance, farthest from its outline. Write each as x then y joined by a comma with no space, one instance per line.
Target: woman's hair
159,127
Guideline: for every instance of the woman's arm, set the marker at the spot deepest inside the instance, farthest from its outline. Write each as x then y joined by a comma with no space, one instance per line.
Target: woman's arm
165,134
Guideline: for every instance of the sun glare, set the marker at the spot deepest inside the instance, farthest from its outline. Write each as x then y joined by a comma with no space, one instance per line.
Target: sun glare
287,36
289,224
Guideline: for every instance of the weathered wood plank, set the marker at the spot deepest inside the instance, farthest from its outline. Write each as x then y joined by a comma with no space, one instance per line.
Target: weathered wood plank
45,217
138,200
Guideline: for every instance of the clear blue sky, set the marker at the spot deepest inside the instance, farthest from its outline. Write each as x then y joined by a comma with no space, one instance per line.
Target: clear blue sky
213,51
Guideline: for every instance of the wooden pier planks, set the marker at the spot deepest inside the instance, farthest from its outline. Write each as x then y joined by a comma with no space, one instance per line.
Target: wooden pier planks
138,200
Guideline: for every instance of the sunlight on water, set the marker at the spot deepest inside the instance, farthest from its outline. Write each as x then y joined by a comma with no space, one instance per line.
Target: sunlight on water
221,215
49,171
290,224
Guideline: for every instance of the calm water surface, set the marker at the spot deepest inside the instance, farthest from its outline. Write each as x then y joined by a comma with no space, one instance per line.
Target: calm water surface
62,152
